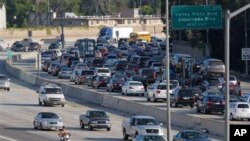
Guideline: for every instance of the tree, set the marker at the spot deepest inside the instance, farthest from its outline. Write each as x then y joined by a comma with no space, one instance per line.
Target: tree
146,10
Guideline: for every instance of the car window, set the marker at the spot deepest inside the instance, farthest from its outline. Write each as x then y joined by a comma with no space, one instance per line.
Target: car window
193,135
243,106
103,71
215,98
153,138
135,84
3,77
147,122
97,114
87,72
185,93
49,115
53,91
215,63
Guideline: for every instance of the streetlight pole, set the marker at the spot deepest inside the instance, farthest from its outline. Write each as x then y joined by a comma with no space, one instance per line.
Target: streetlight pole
167,74
207,46
228,17
245,18
62,24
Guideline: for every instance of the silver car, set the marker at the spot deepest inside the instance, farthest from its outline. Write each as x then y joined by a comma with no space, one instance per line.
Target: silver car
47,120
4,82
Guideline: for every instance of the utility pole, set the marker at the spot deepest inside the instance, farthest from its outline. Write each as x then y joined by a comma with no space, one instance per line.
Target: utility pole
207,46
167,74
245,18
228,17
62,23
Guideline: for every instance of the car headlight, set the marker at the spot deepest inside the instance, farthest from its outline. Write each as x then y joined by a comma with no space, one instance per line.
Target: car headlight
45,121
63,99
161,131
108,121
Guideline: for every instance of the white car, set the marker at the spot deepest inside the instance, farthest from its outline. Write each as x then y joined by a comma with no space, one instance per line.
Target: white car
239,110
158,91
103,72
81,66
133,87
50,94
65,73
111,59
74,73
47,120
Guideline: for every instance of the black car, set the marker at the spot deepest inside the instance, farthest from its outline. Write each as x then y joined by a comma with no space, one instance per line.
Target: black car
183,96
18,47
211,103
98,62
53,46
191,135
121,65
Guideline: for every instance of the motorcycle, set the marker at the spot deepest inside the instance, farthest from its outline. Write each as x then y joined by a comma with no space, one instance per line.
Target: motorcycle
66,138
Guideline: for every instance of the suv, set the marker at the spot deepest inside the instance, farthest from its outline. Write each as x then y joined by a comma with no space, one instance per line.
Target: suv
211,67
4,82
149,74
211,103
50,94
34,46
183,96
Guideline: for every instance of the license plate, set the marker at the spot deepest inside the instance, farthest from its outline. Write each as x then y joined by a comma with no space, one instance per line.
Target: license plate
217,103
186,98
53,128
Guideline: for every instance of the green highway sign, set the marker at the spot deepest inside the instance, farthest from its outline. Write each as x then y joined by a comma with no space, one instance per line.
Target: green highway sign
196,17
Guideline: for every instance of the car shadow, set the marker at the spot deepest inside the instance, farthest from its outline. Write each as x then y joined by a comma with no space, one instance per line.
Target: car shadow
20,104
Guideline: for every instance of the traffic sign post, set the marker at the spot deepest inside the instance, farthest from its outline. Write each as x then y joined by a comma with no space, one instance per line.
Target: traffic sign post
245,56
9,56
196,17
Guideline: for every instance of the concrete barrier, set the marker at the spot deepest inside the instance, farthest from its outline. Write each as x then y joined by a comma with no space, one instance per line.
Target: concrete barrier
177,119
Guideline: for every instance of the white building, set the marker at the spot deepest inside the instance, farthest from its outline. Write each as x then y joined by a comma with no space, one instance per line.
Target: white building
2,16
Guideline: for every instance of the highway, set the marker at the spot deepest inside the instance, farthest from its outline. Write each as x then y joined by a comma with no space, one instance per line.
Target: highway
28,65
19,106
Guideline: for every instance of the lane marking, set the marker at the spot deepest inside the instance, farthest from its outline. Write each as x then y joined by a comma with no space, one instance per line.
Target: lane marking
6,138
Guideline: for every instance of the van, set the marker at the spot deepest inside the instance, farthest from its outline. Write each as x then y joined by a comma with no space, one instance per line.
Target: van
50,94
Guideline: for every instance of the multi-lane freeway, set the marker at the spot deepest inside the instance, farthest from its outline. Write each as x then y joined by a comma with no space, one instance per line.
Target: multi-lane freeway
28,65
19,106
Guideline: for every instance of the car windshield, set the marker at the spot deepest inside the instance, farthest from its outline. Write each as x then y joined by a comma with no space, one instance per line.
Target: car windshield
215,98
214,93
49,115
3,77
87,72
147,72
193,135
157,65
147,121
53,91
215,63
243,106
103,71
135,84
153,138
186,93
163,87
111,57
97,114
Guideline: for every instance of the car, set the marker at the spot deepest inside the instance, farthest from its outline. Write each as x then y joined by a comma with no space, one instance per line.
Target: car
239,110
47,120
91,80
65,72
211,103
157,66
141,125
245,98
34,46
83,76
73,75
100,81
114,84
129,73
52,66
50,94
57,69
103,72
53,46
191,135
182,96
212,67
4,82
143,137
121,65
149,74
111,59
133,87
95,119
133,67
19,47
120,76
158,91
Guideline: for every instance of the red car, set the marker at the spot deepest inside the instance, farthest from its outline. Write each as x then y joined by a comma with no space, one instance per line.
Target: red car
114,84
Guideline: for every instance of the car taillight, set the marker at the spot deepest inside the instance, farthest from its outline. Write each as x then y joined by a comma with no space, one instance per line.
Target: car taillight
82,77
209,103
154,75
223,102
158,91
131,88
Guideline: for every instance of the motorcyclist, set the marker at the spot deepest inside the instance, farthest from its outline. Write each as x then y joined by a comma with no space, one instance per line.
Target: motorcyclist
63,133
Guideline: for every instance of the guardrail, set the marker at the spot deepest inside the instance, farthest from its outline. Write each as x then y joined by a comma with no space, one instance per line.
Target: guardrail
186,121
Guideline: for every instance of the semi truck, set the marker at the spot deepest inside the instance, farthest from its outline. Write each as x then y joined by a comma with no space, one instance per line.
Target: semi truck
115,33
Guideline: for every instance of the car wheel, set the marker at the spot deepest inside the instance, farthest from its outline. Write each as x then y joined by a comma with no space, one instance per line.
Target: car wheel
75,83
112,90
41,126
125,135
198,110
62,105
90,128
148,99
176,104
40,103
231,117
205,111
108,129
192,106
34,125
81,125
142,94
154,99
8,89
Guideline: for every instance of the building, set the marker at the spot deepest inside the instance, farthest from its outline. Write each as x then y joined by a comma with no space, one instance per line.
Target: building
130,17
3,19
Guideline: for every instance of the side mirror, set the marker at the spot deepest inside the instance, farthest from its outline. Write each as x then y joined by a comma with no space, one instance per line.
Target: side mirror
161,124
8,79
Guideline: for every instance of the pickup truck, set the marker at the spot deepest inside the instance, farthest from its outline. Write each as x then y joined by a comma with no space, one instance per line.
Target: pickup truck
138,125
95,119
